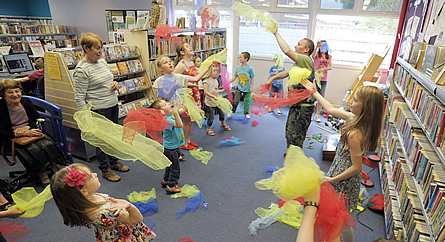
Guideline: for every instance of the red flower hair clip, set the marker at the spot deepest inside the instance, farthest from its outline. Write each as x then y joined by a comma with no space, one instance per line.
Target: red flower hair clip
75,178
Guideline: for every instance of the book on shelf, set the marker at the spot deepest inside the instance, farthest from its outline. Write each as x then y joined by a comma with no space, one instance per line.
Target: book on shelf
125,50
78,55
429,58
122,109
138,65
122,88
114,69
68,56
414,56
109,52
118,51
131,66
143,81
144,103
440,79
130,85
123,69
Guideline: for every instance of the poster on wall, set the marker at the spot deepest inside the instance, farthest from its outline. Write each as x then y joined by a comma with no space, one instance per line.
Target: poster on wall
435,28
412,27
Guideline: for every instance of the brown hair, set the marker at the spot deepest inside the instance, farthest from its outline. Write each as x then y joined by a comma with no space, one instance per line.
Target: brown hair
309,44
179,56
72,204
89,39
194,58
246,55
209,72
158,63
157,103
370,119
39,63
6,84
319,51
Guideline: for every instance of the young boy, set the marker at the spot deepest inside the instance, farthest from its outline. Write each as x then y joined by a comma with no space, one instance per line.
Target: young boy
300,114
245,75
173,139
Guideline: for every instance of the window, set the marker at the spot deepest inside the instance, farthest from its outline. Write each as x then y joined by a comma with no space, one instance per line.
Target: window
337,4
292,3
256,40
352,39
381,5
256,3
207,2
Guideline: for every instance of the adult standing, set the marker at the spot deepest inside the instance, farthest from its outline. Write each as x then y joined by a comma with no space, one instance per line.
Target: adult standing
93,82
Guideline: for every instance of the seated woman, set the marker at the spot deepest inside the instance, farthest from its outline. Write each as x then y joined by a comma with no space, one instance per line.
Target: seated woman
18,118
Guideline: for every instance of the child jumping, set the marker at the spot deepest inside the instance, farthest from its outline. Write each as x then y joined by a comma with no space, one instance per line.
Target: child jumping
211,91
359,134
245,75
322,64
173,139
74,190
277,84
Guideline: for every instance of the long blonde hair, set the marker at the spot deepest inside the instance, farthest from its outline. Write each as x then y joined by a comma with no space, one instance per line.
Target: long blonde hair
370,120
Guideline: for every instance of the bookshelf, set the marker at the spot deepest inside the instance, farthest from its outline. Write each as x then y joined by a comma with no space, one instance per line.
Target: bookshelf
211,42
413,175
16,32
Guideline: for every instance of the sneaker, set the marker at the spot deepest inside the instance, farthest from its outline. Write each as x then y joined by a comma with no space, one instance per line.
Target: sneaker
164,183
120,167
247,116
279,111
174,189
318,120
182,158
111,176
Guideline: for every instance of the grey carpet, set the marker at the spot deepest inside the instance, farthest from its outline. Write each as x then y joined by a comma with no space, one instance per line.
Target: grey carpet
227,184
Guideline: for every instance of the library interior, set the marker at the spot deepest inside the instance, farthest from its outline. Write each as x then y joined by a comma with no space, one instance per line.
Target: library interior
331,115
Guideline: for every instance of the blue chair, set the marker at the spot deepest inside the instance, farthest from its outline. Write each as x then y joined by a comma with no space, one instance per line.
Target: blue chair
53,124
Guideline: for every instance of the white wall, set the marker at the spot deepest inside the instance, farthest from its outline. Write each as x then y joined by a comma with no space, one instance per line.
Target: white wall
340,78
89,15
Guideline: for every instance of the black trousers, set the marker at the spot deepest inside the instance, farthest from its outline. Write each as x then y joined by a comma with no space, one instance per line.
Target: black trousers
172,173
210,114
105,161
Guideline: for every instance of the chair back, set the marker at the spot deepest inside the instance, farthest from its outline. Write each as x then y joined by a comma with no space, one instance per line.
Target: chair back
53,123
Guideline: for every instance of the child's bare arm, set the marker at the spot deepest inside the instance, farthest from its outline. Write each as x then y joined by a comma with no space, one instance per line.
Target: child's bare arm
200,75
128,213
251,84
233,78
206,91
178,120
180,68
280,75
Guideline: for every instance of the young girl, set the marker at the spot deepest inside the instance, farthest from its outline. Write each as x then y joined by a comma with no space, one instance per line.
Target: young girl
184,65
73,189
322,64
173,139
197,61
277,84
359,134
211,90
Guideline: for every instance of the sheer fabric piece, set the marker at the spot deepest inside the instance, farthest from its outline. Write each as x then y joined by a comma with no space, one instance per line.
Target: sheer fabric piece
201,155
224,105
28,199
147,208
267,104
263,16
232,141
296,74
193,203
142,196
220,57
13,231
167,32
186,191
101,132
298,177
264,222
151,121
167,86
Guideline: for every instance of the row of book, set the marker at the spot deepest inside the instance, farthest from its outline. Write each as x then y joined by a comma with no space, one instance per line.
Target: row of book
34,29
197,42
23,46
71,56
425,106
132,85
127,107
422,163
117,51
126,67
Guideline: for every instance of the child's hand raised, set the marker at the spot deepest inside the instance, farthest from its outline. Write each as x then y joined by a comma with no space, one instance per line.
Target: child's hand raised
120,205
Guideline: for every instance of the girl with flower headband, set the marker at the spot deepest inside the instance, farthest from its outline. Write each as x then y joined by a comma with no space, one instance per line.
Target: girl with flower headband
73,189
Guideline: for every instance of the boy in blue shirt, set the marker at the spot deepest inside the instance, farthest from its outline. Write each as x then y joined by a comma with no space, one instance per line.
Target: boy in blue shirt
173,139
245,75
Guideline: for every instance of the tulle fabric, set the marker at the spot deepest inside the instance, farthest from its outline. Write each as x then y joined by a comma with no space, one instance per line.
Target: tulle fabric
186,191
230,141
201,155
167,32
333,214
279,61
144,201
247,11
224,105
254,123
265,104
149,120
225,81
101,132
298,177
28,199
142,196
296,74
13,231
193,203
264,220
243,119
196,114
167,86
220,57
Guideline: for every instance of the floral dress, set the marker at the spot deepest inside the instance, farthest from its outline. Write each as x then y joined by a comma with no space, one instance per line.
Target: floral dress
192,71
350,186
107,228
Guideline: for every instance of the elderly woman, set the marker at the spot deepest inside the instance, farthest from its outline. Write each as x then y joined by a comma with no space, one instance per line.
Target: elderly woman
93,82
18,118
